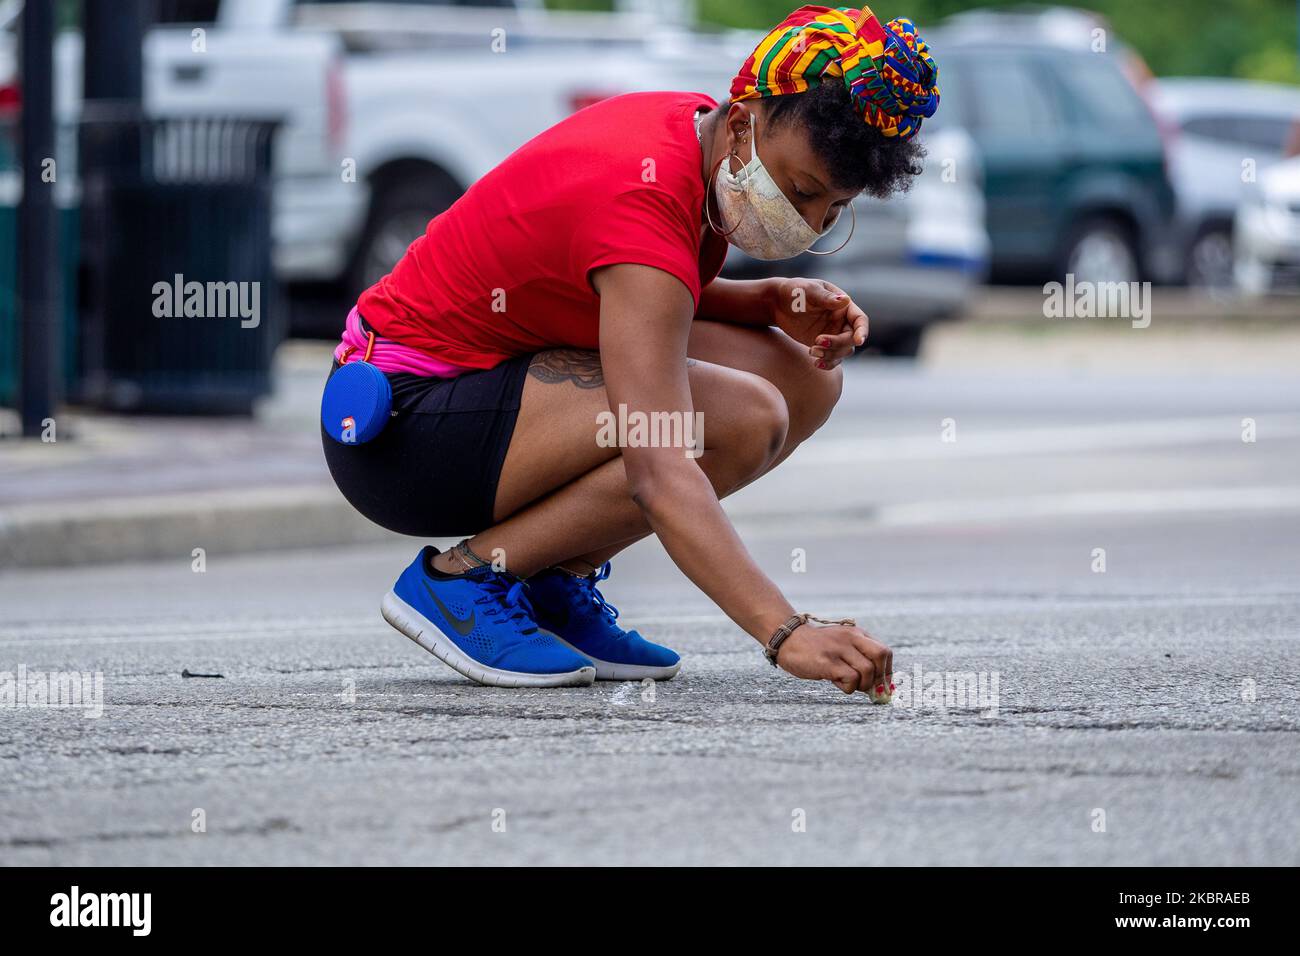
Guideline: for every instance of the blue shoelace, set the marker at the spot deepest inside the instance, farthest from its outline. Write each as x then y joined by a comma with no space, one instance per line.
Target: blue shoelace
590,594
506,596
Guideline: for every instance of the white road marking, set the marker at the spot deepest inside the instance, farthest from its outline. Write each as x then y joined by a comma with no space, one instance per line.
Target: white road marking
178,631
1058,439
1132,501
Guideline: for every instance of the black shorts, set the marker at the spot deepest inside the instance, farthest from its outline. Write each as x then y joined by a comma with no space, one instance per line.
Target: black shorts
433,470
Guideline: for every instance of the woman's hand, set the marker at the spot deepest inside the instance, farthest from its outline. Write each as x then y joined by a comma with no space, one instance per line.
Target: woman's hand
843,654
819,315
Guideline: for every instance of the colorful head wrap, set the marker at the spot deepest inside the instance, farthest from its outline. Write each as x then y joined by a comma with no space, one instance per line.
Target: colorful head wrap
888,69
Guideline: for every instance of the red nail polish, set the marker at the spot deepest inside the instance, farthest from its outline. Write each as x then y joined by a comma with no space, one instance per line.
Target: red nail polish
823,343
880,688
821,364
891,687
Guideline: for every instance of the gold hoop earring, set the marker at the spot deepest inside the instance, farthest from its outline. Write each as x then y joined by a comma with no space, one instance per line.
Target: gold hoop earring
854,225
709,192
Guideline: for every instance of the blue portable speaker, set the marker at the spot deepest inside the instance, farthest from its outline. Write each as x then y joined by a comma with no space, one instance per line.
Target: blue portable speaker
356,403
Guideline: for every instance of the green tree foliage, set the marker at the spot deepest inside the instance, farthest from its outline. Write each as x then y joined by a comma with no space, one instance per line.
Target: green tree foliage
1252,39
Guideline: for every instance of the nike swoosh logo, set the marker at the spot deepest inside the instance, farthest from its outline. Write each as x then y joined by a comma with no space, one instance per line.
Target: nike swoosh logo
459,625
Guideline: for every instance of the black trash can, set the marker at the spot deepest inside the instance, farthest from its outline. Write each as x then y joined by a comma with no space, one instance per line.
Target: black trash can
180,310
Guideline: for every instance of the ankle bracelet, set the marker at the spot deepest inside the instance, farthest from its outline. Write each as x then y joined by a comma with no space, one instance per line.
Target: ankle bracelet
463,551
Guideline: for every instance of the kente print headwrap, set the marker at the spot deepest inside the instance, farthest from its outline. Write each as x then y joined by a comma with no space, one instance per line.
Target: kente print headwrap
888,69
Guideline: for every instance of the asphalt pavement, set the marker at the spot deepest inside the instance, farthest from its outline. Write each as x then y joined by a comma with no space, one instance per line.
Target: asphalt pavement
1099,570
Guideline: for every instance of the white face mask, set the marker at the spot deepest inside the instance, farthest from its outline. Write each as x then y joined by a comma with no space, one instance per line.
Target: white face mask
763,222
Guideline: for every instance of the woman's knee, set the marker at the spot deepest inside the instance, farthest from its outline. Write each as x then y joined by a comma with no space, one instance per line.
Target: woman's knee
816,400
811,393
766,423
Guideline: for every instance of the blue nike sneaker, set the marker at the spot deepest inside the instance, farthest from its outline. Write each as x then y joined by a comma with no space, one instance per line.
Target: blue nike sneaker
573,609
480,624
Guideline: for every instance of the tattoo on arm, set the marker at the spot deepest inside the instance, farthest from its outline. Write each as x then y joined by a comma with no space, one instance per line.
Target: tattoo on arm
578,366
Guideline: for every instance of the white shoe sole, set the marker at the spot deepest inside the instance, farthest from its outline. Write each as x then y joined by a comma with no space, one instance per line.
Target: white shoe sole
429,636
608,670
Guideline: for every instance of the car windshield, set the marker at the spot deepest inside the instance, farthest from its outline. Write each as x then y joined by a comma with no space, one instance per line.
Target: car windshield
997,95
1103,92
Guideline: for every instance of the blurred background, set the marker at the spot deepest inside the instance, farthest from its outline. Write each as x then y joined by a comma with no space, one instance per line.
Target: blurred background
278,156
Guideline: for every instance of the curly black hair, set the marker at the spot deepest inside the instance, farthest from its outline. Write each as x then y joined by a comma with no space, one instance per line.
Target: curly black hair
857,154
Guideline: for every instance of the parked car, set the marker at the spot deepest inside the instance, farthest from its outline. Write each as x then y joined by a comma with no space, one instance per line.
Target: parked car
1073,160
1227,133
254,67
408,102
433,108
1267,232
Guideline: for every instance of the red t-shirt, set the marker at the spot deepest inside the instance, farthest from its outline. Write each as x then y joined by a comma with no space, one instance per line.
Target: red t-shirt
504,271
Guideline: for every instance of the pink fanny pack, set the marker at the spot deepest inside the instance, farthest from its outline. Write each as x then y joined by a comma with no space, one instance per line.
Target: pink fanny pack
387,355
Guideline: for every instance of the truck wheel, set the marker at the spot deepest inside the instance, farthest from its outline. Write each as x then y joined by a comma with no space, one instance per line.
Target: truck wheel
1100,249
1209,260
399,214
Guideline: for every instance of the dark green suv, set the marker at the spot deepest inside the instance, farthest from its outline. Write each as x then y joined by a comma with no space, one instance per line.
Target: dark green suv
1073,160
